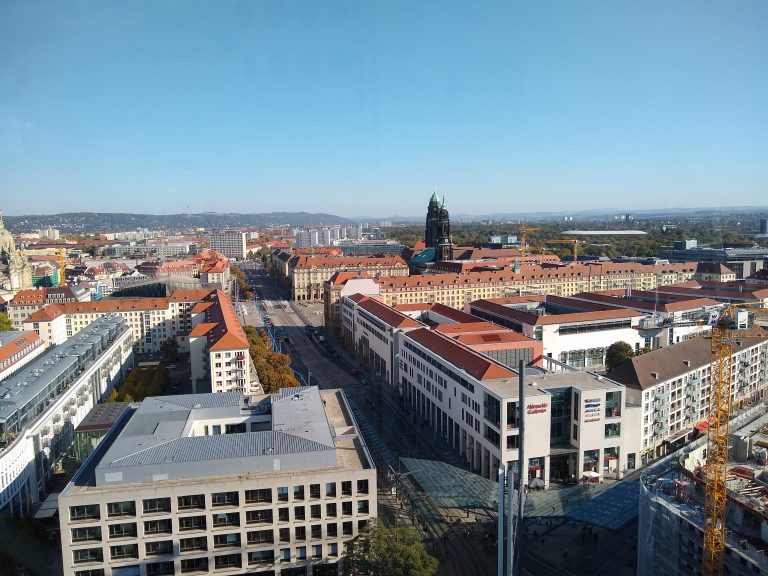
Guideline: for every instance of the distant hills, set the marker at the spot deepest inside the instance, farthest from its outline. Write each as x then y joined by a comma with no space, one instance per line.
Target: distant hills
83,222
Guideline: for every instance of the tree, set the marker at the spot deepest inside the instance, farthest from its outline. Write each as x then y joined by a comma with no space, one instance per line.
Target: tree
616,354
5,323
382,551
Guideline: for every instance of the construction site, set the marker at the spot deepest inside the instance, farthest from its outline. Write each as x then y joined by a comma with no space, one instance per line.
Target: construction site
672,505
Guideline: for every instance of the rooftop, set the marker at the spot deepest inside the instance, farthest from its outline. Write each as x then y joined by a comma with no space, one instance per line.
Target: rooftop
165,439
541,310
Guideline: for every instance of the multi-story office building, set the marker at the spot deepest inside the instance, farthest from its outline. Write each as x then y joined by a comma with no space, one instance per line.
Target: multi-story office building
742,261
458,290
671,386
43,403
221,484
574,332
230,243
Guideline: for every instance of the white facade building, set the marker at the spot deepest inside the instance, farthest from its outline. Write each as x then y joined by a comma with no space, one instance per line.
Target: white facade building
224,484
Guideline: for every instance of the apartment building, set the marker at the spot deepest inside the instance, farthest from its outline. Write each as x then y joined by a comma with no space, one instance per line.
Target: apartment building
26,302
571,331
18,349
230,243
335,288
458,290
221,483
44,401
671,385
201,321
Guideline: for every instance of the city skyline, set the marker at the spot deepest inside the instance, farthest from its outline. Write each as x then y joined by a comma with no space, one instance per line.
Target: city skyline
363,108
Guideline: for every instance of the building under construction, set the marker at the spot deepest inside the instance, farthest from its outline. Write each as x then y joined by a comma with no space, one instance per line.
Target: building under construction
671,520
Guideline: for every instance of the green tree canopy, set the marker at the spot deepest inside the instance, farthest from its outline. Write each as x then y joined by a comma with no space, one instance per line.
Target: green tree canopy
616,354
382,551
5,323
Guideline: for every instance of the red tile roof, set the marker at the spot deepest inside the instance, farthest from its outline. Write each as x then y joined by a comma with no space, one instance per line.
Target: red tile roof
493,306
387,314
23,340
464,358
202,329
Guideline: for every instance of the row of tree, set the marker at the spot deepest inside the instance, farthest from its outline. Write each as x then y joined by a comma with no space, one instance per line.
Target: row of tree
246,292
274,369
141,383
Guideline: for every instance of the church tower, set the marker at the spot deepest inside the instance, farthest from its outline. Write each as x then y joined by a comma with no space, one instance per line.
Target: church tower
443,245
433,216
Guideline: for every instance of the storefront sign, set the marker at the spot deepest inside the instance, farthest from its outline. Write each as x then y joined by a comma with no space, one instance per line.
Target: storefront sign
592,409
536,408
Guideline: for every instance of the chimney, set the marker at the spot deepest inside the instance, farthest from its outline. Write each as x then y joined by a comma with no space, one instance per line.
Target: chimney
687,362
655,375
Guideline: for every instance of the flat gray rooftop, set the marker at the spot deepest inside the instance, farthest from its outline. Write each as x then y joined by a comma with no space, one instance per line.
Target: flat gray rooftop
297,429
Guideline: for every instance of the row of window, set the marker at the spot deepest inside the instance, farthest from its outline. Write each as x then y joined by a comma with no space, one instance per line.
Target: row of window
218,500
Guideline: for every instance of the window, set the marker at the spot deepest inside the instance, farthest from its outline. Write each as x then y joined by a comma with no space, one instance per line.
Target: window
285,554
87,512
156,505
160,569
330,490
301,533
227,561
333,549
317,551
346,488
346,508
317,531
262,536
192,523
86,534
362,507
159,547
196,501
127,530
94,572
158,526
87,555
226,540
282,494
115,509
262,495
226,519
283,514
332,530
264,556
301,553
217,427
346,528
314,491
330,510
258,517
285,534
298,492
299,513
189,544
194,565
225,499
124,551
362,486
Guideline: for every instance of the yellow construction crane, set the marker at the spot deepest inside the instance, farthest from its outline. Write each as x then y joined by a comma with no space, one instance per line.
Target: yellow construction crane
62,267
731,324
523,232
568,241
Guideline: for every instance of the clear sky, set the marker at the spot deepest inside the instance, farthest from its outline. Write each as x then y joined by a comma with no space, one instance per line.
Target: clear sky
360,108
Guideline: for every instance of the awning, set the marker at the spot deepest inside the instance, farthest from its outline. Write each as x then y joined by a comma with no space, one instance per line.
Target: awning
703,425
49,507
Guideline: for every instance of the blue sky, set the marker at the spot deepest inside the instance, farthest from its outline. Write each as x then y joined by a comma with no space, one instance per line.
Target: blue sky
362,107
